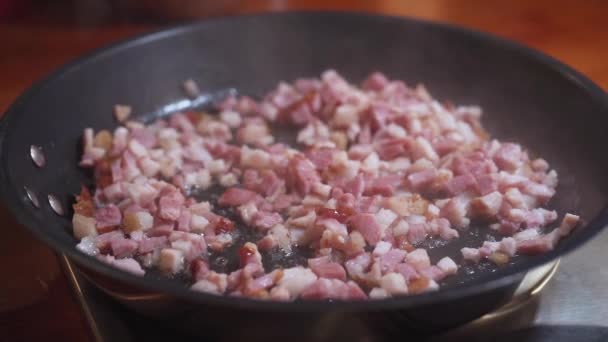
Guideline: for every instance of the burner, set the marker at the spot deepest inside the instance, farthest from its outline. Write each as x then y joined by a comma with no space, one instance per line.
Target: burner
111,322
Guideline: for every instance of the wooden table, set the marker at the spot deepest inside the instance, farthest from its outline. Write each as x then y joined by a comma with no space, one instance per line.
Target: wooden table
35,299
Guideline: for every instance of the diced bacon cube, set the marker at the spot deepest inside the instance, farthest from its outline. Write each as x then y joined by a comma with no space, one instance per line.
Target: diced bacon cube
382,248
127,264
231,118
407,271
420,179
424,149
390,260
378,293
149,167
83,226
122,112
114,192
384,218
455,211
486,206
304,221
236,197
394,284
296,279
141,194
171,261
418,258
367,225
87,246
198,224
358,265
459,184
141,220
417,233
527,234
568,224
401,228
254,158
138,150
445,231
205,286
301,175
540,191
183,221
508,157
508,246
150,244
108,216
471,254
323,267
123,248
264,220
345,115
267,243
170,206
538,245
447,265
253,134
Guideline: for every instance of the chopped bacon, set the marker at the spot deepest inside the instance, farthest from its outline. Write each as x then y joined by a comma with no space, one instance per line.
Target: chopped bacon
379,171
84,203
236,196
263,220
325,268
368,227
108,216
301,175
324,288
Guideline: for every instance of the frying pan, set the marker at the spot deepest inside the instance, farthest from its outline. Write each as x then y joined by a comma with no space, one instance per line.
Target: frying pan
527,97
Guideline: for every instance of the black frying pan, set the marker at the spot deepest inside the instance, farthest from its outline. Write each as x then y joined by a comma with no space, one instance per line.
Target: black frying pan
527,97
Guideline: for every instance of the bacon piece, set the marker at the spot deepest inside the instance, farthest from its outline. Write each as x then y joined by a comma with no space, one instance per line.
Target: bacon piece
324,288
568,224
508,157
385,185
390,260
471,254
296,280
325,268
151,244
537,245
123,248
127,264
263,220
83,226
236,196
108,216
368,227
301,175
170,206
320,157
459,184
487,206
455,211
418,258
407,271
420,179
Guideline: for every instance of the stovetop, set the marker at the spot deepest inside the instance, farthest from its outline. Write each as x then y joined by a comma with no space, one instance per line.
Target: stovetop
554,304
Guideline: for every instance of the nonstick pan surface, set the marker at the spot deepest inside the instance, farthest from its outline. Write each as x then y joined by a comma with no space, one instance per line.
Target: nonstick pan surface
527,97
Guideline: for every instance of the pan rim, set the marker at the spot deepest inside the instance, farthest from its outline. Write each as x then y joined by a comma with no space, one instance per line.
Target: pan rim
14,202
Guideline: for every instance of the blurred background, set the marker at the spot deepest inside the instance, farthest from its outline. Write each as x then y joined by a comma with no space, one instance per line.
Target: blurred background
37,36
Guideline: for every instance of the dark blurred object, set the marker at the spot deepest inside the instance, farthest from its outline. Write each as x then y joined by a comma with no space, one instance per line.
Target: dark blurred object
181,9
10,8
